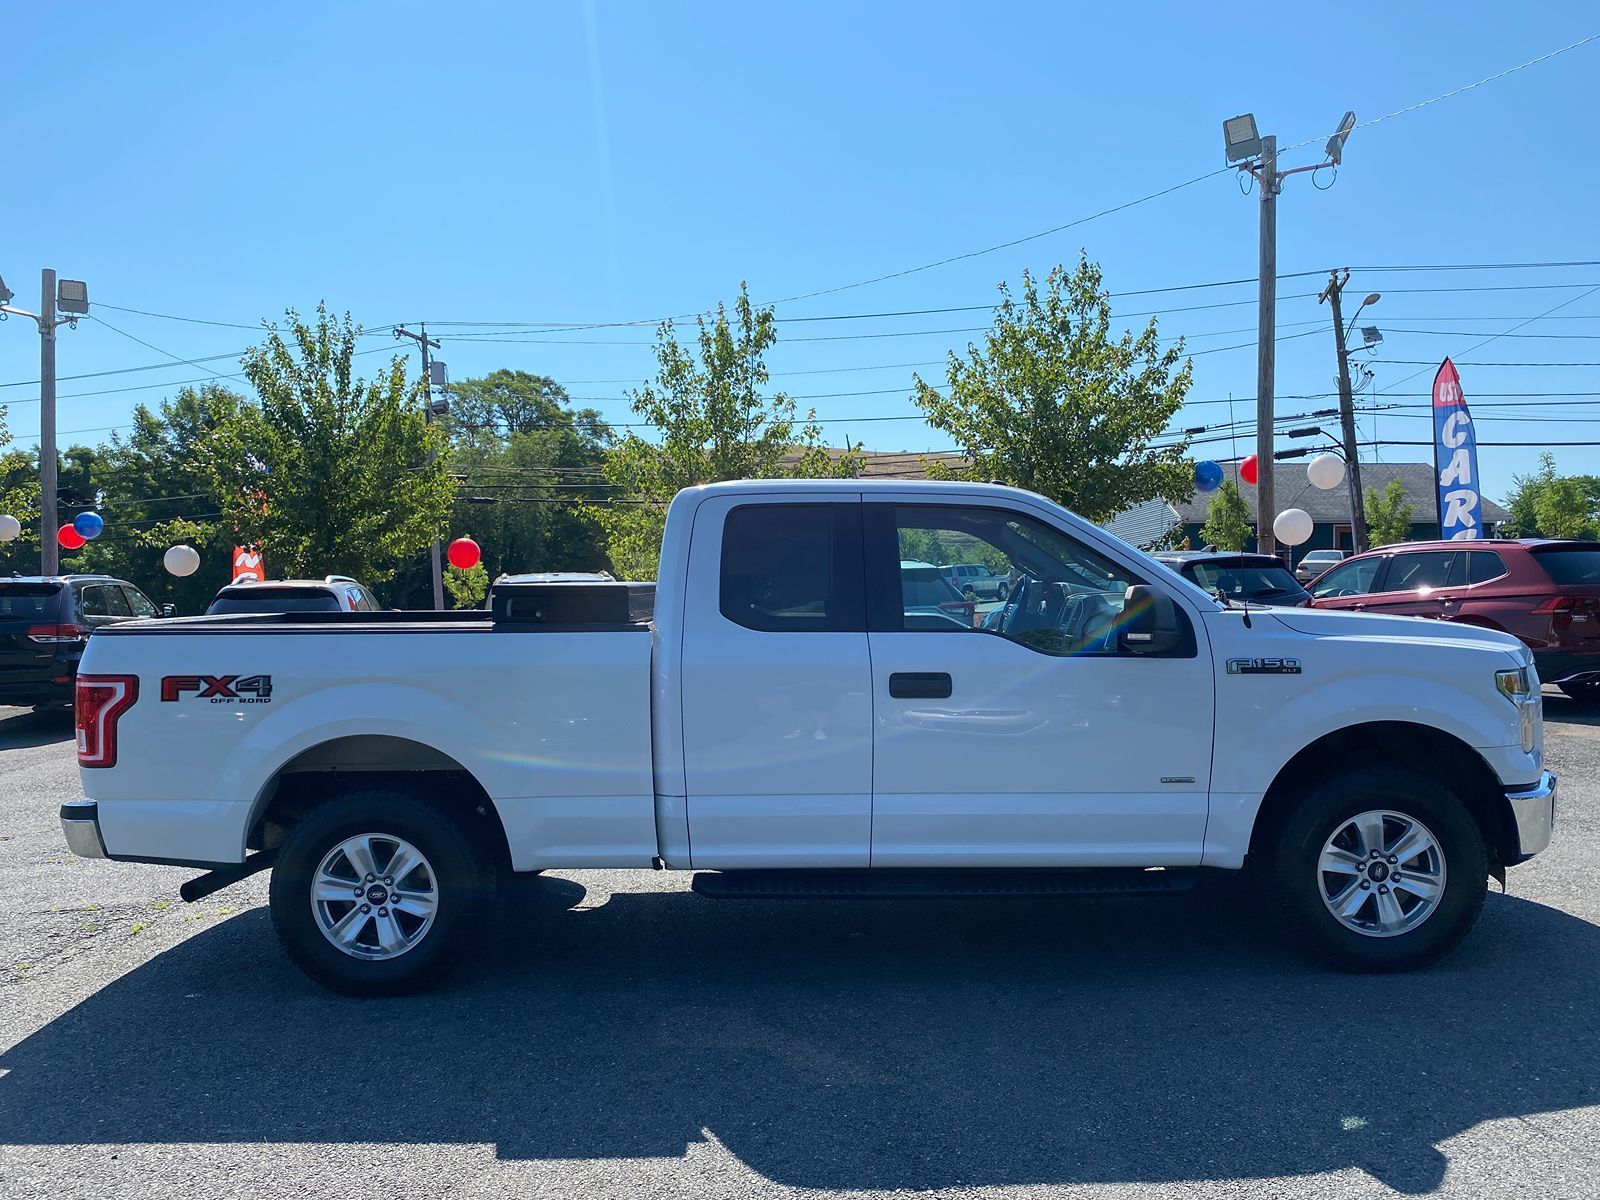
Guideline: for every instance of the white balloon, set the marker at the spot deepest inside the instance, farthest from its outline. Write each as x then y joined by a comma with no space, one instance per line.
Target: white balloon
1293,526
181,560
1326,471
10,527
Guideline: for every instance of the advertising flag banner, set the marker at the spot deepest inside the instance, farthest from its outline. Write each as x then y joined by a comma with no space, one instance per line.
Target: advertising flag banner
1455,459
247,564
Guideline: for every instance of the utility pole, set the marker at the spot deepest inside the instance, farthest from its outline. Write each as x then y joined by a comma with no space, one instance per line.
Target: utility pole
71,298
1266,346
423,340
1259,156
49,513
1347,412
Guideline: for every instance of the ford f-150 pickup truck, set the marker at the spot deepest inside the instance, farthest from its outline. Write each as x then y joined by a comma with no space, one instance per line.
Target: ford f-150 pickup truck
787,724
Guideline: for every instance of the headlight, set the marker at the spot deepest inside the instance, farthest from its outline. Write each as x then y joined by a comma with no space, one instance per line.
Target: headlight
1514,685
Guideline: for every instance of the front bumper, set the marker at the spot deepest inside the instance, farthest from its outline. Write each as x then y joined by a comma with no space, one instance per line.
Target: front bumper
80,824
1533,810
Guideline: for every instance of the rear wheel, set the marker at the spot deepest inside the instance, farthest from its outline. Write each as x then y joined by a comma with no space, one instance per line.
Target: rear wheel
376,893
1381,869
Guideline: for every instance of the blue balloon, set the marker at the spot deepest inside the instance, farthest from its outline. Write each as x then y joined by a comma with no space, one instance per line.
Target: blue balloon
1207,476
89,525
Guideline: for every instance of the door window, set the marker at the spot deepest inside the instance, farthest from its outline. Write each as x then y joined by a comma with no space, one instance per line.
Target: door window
142,607
105,602
792,568
1351,579
1419,569
1484,565
1066,598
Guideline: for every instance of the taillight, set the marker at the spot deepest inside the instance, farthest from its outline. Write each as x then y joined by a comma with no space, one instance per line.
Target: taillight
100,701
50,635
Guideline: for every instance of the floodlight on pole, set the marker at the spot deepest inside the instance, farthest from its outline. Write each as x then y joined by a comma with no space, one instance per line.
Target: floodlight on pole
6,294
72,297
1335,147
1371,336
1240,137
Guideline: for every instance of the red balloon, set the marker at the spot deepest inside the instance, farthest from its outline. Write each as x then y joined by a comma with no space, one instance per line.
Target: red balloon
69,538
463,554
1247,470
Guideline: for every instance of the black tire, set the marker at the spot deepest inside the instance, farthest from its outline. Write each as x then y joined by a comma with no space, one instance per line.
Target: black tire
1292,877
463,883
1584,693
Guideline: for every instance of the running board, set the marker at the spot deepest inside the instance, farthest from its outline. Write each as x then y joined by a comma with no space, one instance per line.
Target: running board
959,881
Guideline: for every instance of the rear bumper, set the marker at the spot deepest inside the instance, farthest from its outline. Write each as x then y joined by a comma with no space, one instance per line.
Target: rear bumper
1533,810
80,824
52,686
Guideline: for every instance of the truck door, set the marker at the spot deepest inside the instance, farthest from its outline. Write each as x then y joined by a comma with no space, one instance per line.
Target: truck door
1025,735
776,684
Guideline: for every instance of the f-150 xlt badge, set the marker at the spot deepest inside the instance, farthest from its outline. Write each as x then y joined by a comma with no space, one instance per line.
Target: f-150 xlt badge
219,689
1263,666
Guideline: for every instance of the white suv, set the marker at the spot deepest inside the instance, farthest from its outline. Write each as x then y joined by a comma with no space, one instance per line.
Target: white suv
978,579
333,593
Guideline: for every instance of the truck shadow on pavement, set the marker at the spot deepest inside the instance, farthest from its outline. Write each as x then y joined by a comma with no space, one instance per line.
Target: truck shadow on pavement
27,728
911,1044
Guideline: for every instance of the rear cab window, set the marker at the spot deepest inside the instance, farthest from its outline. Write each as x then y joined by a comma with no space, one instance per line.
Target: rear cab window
793,568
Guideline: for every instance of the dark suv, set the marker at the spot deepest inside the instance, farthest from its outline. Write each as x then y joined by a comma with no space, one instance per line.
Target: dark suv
1545,592
45,620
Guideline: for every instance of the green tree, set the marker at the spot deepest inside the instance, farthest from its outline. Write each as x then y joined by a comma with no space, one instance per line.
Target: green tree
468,588
329,473
19,497
712,421
1546,504
1228,525
1388,515
528,463
1054,402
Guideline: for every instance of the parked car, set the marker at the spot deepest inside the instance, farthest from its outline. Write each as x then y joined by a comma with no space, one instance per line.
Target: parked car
547,577
1316,562
978,579
334,593
931,600
781,723
1255,578
1545,592
45,622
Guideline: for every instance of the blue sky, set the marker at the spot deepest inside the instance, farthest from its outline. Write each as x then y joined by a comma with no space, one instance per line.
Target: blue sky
567,163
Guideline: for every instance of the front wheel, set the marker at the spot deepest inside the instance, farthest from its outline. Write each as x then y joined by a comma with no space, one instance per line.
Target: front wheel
376,893
1381,869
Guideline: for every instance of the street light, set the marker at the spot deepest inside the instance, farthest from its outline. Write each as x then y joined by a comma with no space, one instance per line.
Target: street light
1245,146
6,294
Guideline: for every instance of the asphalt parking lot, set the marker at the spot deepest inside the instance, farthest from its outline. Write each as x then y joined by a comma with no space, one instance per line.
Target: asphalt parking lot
621,1036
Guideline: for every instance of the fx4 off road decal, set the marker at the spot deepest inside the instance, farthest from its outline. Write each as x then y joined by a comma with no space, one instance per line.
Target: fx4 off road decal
1263,666
218,689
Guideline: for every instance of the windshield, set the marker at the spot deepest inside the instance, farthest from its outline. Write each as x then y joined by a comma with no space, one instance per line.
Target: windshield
1571,564
21,601
277,600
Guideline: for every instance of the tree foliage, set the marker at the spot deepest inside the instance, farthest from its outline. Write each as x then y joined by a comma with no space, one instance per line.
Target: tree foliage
328,473
1054,402
1389,516
1228,525
1546,504
712,421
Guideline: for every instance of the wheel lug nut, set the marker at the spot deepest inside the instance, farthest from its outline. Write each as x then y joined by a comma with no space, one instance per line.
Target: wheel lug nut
366,908
370,878
390,878
1393,859
358,891
1374,854
383,912
1383,891
1365,885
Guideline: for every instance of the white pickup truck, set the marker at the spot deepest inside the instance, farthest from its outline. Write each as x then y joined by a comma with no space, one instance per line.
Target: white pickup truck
788,724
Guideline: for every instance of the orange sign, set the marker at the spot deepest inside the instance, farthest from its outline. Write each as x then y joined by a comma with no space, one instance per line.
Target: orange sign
247,564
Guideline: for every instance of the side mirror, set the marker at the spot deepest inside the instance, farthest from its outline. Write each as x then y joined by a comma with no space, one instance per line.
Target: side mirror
169,610
1150,622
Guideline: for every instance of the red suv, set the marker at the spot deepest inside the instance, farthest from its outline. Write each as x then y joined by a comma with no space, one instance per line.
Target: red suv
1545,592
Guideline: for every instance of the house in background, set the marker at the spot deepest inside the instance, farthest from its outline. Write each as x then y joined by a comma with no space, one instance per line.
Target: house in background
1149,523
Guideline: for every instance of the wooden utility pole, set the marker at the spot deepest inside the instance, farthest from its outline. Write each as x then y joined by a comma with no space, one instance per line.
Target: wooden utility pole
1347,414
